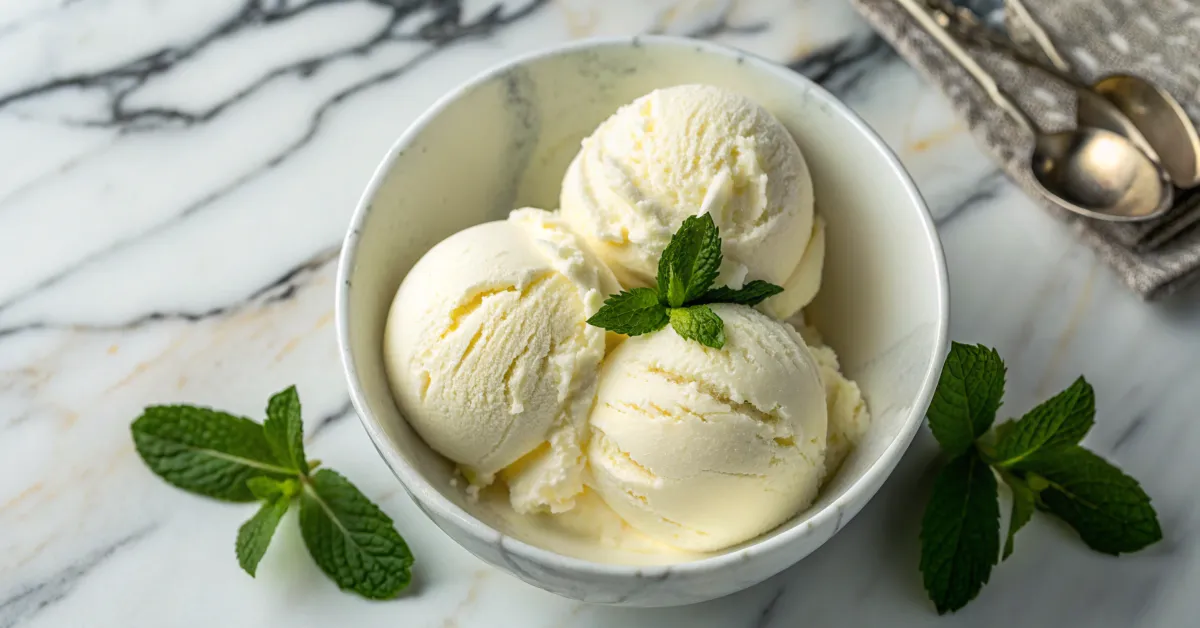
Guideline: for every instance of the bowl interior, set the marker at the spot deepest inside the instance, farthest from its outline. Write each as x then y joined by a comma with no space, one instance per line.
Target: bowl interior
505,142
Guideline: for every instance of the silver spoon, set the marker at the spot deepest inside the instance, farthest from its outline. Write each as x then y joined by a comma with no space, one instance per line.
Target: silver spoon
1092,109
1088,171
1154,111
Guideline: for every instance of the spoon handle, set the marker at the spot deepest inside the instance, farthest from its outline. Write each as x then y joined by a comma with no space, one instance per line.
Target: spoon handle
968,63
963,24
1019,12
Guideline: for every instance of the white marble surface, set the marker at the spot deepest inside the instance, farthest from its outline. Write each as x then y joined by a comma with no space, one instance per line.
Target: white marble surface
175,177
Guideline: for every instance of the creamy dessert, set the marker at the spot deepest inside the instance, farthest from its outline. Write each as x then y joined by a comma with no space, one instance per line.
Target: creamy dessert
490,358
671,443
677,151
704,448
847,411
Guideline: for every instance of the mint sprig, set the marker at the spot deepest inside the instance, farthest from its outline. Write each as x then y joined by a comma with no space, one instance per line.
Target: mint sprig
691,262
1060,421
1109,509
686,271
751,294
632,313
699,323
967,397
226,457
255,535
1024,501
284,429
351,539
205,451
1038,457
960,534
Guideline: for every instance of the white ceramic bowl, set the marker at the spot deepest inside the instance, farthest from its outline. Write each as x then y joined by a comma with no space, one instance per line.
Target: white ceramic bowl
503,140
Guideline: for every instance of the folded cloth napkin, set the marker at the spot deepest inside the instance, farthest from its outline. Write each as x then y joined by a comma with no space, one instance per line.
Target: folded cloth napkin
1155,39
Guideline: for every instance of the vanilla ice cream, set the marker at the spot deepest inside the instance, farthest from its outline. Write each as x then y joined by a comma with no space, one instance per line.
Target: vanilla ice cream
491,360
848,415
702,448
591,531
690,149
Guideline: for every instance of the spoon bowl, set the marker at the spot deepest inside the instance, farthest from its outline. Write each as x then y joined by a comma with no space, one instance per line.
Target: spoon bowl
1163,122
1155,113
1101,174
1096,111
1090,171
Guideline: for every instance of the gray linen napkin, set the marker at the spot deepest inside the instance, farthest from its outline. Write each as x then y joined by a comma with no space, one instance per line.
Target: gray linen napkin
1155,39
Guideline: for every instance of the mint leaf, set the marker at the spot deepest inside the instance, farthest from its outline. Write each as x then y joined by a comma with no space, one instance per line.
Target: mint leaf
205,451
1109,510
351,539
690,263
967,396
1060,421
960,533
1000,432
255,535
751,294
699,323
1024,503
267,489
285,430
1036,483
631,313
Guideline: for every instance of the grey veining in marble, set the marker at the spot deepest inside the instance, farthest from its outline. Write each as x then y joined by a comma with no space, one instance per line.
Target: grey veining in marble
175,178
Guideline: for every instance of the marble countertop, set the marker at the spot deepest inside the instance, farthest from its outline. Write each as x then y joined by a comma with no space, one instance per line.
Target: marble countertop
175,178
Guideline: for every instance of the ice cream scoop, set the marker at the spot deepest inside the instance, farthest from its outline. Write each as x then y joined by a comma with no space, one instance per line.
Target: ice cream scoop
702,448
685,150
490,358
849,417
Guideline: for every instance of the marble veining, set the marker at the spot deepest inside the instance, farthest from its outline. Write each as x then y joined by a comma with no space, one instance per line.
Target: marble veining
175,179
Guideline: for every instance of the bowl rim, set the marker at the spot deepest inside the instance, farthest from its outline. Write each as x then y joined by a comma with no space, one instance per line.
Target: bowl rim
860,491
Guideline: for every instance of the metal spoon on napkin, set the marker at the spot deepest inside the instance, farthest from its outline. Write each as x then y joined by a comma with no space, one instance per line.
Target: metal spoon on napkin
1155,112
1092,109
1087,170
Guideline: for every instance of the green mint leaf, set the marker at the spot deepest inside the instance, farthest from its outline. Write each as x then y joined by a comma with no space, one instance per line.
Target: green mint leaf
255,535
285,430
1000,432
960,533
1024,503
699,323
1036,482
967,397
266,489
631,313
690,263
751,294
205,451
1109,510
351,539
1062,420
